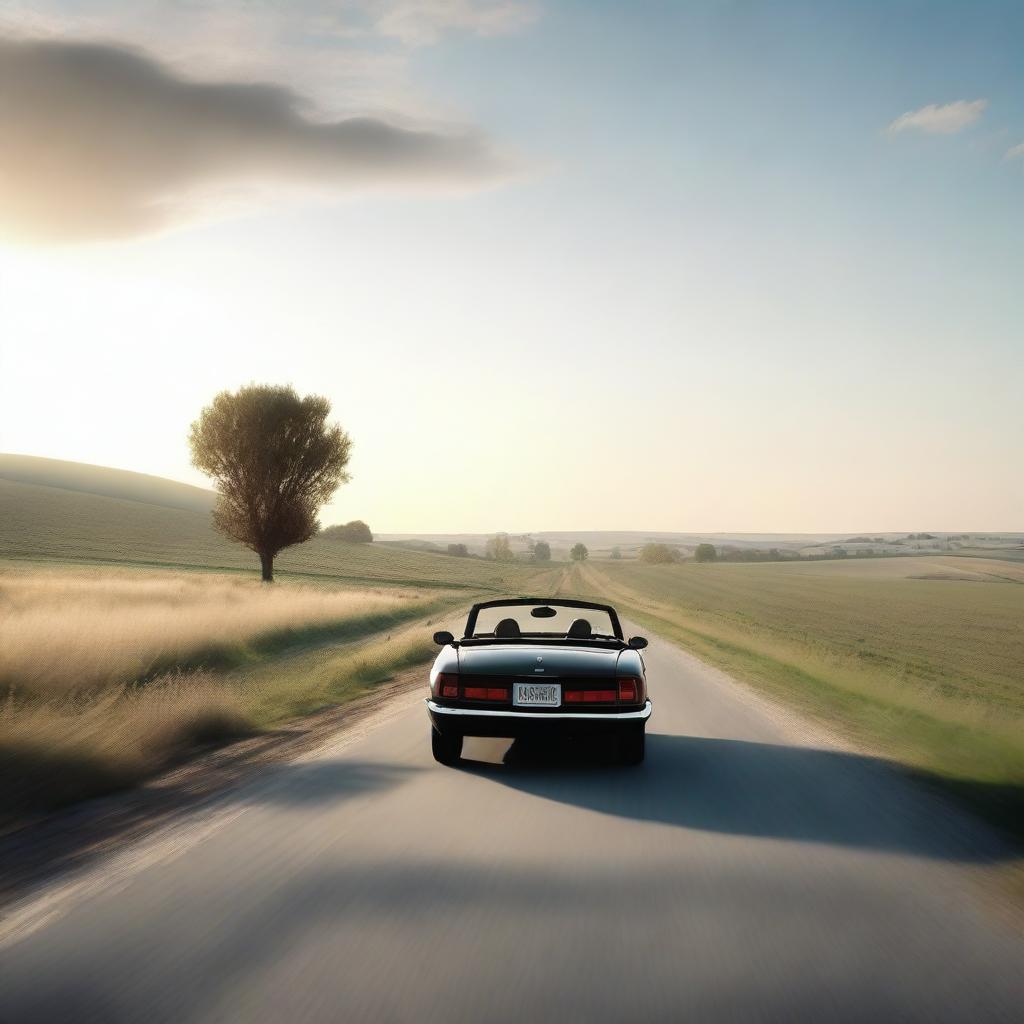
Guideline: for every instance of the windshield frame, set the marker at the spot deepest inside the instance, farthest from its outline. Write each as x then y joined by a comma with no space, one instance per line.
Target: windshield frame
519,602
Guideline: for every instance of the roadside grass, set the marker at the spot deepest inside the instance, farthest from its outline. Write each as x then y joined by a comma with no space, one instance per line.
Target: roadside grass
60,751
927,672
132,634
276,692
110,676
73,630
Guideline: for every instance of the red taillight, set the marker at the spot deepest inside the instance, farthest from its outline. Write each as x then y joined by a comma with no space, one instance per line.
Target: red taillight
448,684
589,696
629,688
485,693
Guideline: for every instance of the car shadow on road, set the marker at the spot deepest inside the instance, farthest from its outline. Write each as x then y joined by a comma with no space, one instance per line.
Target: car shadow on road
761,790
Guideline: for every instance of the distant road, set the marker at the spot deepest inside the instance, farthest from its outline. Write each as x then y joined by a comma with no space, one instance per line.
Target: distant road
740,874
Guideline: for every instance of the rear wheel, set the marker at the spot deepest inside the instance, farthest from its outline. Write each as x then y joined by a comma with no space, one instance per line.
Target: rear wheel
447,748
630,746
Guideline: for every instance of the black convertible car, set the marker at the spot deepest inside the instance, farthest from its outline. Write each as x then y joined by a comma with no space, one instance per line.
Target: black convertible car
539,667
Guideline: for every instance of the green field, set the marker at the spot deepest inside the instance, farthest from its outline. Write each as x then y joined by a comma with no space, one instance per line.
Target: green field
920,659
58,524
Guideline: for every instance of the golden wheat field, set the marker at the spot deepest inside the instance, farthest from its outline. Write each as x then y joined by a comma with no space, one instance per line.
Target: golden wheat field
67,629
108,675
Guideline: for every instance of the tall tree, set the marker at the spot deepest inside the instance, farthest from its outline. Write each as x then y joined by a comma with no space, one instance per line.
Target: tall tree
275,460
542,551
579,552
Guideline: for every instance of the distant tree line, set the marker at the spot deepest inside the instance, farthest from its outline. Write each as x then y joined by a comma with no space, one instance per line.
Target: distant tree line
666,554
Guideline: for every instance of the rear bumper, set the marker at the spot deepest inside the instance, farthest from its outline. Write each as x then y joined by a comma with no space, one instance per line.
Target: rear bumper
471,722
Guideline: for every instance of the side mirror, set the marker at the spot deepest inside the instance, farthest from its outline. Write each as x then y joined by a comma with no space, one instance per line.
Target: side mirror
638,643
442,637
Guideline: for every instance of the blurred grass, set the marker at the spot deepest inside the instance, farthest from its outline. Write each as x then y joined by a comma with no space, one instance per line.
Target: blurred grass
109,676
131,633
275,692
58,751
73,629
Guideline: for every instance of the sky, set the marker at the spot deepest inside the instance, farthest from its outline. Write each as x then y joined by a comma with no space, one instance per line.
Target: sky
694,266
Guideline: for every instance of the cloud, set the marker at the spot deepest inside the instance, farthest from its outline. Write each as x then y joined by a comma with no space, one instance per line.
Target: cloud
100,141
319,42
944,119
1015,152
418,22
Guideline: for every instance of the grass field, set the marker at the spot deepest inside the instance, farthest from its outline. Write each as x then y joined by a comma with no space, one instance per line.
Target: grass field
115,627
110,674
131,633
921,659
50,523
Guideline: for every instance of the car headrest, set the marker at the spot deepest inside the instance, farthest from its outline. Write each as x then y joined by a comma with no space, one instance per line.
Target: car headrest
580,630
507,628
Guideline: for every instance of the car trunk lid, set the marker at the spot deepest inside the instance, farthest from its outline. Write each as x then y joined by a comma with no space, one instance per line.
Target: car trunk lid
538,661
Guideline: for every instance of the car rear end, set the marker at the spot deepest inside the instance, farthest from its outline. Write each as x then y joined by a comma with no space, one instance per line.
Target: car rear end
515,706
520,706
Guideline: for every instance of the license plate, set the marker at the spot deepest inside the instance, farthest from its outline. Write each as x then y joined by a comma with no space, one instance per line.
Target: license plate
543,695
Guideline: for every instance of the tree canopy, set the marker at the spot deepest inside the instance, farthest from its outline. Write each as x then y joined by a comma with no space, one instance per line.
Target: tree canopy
275,461
499,548
354,532
659,554
542,551
706,553
579,552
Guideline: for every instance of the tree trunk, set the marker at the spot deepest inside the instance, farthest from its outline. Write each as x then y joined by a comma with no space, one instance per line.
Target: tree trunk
267,564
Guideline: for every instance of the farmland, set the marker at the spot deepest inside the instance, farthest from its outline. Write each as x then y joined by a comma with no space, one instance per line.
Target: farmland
918,658
115,626
110,674
132,634
42,523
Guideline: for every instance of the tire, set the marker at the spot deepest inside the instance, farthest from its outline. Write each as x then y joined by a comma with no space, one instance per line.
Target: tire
447,748
630,746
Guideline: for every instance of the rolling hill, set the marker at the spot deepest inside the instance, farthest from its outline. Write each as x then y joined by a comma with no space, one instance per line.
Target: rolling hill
71,512
105,482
